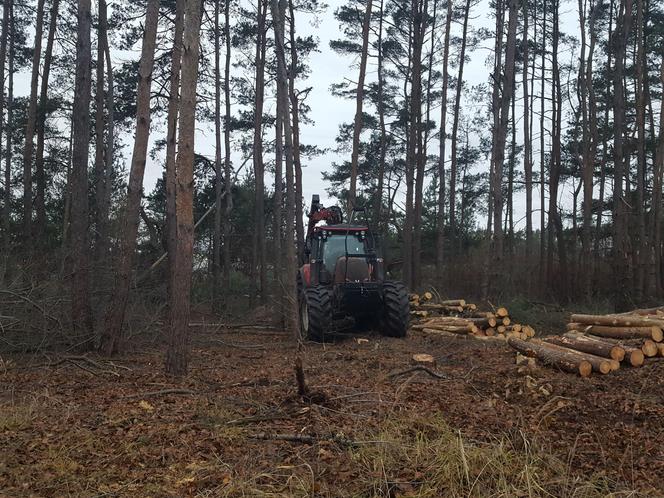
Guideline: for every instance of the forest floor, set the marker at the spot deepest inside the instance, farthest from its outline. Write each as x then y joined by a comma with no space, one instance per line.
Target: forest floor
87,426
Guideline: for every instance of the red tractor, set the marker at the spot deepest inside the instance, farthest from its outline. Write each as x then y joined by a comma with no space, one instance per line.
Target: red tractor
343,277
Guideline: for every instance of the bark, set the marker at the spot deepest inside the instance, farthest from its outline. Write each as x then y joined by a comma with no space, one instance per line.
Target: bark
295,111
171,134
7,190
378,201
112,333
542,248
421,157
641,244
440,215
599,364
40,176
177,353
415,105
218,181
620,215
455,129
99,166
555,221
81,311
588,161
105,187
527,143
259,266
507,83
288,283
226,274
278,198
31,120
566,361
591,346
359,98
656,220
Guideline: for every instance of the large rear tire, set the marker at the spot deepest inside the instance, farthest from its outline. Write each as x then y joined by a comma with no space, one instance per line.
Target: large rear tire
315,313
396,311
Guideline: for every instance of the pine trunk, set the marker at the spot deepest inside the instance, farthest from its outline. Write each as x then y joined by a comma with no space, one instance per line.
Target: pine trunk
440,215
82,323
288,282
177,353
40,176
359,98
31,121
114,322
171,135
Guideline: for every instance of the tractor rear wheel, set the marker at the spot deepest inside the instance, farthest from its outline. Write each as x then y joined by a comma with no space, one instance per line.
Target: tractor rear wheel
396,311
315,313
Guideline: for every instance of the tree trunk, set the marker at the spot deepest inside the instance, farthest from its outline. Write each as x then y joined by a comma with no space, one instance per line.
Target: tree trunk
415,107
288,283
99,166
542,249
588,161
507,83
359,97
527,147
171,135
177,353
278,205
455,130
641,244
7,37
31,121
656,221
104,189
7,187
621,300
495,112
226,274
259,263
378,201
82,323
440,215
421,157
112,333
295,111
40,176
218,179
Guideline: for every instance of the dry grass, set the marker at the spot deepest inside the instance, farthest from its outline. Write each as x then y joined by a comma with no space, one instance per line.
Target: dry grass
426,458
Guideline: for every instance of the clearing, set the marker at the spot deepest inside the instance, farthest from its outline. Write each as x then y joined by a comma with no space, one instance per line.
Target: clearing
87,426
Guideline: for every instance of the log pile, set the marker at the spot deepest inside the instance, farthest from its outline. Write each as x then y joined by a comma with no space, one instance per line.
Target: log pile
601,343
456,316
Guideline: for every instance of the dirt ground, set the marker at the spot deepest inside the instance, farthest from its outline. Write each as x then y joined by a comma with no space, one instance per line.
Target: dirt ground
88,426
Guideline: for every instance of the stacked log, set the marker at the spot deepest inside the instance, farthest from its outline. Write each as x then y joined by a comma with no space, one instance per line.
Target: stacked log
640,330
604,341
479,325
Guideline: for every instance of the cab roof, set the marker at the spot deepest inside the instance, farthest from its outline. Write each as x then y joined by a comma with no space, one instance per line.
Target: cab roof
341,227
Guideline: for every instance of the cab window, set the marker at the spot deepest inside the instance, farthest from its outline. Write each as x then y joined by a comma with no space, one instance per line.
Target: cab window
336,245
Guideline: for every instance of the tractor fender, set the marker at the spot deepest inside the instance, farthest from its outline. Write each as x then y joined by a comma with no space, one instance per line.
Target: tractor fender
305,272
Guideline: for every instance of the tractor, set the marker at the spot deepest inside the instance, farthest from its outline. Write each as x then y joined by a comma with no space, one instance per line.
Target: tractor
343,278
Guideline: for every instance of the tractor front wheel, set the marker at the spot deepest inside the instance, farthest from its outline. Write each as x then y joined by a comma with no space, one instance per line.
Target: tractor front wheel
315,312
396,311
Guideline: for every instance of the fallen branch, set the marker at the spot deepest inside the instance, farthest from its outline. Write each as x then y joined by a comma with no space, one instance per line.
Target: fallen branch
304,439
186,392
418,368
